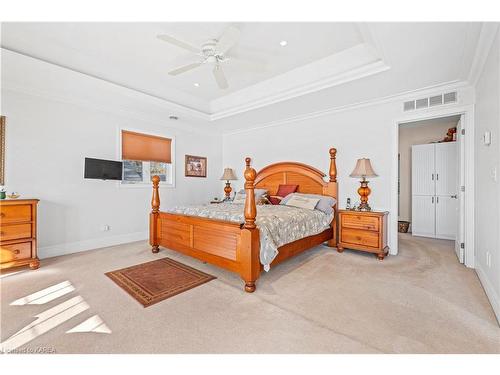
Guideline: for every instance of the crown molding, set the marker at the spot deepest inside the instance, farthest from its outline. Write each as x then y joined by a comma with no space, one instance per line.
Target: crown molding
172,107
401,97
351,75
484,45
369,49
96,105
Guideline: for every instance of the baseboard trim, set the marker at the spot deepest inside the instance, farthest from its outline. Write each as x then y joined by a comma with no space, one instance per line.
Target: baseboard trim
490,291
96,243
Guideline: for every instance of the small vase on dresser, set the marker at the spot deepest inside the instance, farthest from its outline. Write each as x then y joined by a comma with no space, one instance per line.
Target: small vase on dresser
18,235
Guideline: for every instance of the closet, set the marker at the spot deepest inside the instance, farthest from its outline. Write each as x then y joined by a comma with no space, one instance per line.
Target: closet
434,190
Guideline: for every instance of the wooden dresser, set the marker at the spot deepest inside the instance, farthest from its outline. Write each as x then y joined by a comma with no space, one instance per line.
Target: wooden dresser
363,230
18,233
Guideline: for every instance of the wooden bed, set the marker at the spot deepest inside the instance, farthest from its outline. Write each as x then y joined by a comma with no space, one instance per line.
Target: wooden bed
234,246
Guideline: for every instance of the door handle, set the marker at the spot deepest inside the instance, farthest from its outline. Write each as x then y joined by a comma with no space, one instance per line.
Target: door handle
437,176
432,199
432,177
437,199
454,196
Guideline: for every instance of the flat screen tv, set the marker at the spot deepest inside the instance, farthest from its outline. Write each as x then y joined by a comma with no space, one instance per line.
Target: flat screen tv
103,169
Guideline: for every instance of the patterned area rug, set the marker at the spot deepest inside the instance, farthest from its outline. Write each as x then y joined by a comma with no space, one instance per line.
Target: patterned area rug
160,279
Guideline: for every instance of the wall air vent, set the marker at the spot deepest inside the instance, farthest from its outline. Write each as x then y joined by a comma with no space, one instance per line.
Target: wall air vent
450,97
422,103
408,106
433,101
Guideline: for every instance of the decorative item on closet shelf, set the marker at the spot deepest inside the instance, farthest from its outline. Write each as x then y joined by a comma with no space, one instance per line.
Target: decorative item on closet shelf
228,175
18,233
363,169
364,231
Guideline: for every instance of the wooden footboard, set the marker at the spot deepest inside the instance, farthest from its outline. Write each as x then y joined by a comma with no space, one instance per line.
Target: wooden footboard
233,246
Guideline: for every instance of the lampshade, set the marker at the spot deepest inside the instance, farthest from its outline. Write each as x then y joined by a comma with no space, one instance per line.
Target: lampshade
228,175
363,169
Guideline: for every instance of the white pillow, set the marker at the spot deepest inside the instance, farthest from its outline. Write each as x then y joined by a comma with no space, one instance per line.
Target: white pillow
241,195
302,202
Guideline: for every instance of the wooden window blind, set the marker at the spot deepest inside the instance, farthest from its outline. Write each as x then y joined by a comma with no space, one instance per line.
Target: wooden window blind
145,147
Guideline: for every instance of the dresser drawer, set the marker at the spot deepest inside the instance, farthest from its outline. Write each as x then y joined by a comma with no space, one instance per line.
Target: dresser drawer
15,231
9,253
361,222
15,214
359,237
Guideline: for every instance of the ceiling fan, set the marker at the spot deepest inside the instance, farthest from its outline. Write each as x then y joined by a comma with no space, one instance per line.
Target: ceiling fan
213,52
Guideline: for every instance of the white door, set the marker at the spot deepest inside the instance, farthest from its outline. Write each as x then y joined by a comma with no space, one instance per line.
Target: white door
423,215
460,196
422,170
446,162
446,217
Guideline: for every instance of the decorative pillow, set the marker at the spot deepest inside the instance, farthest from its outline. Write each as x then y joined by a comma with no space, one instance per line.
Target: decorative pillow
263,199
241,195
325,203
283,191
302,202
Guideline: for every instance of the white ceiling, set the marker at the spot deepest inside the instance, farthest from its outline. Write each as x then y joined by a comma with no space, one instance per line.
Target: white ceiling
319,57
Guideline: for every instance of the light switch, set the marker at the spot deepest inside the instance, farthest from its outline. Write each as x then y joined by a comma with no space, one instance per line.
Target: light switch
487,138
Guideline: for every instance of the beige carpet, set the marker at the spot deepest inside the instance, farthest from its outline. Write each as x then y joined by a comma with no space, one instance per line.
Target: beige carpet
421,301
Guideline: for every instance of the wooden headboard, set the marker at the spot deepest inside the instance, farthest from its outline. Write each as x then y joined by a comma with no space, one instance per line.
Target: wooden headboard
309,179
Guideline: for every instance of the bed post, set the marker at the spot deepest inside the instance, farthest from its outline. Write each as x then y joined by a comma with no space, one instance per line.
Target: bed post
153,217
333,165
249,247
334,189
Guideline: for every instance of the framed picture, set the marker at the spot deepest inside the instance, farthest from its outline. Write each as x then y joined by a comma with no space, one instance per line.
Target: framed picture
196,166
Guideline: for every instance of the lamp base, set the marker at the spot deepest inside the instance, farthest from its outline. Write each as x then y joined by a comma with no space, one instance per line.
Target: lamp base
227,191
364,191
364,206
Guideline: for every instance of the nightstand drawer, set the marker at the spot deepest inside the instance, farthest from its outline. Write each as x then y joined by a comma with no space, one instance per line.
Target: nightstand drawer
359,237
360,222
8,253
15,231
15,214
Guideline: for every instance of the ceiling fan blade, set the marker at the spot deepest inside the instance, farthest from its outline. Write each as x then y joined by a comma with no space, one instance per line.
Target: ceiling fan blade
228,39
178,43
220,77
184,68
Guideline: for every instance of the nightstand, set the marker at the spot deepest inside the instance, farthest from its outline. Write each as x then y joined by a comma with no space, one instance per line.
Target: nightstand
364,231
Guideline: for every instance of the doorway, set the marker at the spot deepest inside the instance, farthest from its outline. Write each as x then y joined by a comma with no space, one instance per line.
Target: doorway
431,181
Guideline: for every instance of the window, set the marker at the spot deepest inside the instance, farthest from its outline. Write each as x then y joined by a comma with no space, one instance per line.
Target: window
144,156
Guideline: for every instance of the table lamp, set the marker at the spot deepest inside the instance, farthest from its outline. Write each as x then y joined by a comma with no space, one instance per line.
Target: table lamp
363,169
228,175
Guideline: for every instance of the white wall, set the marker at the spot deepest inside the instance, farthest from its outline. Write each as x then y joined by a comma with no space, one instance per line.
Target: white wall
366,130
416,133
47,140
487,113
